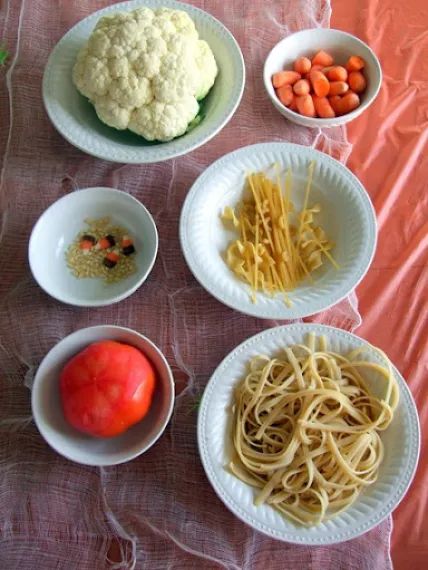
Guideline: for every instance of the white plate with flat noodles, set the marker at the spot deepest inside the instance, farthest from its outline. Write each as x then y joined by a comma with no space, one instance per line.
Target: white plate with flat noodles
346,215
75,118
401,440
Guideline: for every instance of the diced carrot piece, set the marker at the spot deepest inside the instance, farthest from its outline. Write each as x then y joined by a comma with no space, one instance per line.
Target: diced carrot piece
86,245
305,105
106,242
320,83
323,107
302,87
127,245
103,243
337,73
335,103
285,94
111,259
87,241
338,88
285,78
126,240
322,58
302,65
355,63
357,81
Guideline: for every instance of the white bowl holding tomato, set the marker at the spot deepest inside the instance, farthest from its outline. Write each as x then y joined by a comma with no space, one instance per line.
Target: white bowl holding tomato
307,43
77,446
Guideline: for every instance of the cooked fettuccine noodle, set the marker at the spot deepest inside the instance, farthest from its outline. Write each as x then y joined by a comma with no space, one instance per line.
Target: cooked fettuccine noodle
306,428
273,254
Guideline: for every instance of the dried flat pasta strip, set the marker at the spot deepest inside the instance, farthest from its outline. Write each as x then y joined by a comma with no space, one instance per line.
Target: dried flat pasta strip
272,254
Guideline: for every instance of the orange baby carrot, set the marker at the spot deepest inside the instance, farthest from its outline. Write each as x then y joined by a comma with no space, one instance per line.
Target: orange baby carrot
323,107
322,58
302,87
305,105
320,83
285,94
338,88
348,103
337,73
335,103
293,105
355,63
302,65
285,78
357,81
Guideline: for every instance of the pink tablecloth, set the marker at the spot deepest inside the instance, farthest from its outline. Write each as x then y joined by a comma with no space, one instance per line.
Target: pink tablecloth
390,157
157,511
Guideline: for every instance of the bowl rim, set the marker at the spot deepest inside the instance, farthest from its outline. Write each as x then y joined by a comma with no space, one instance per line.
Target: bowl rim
116,298
317,121
38,379
138,155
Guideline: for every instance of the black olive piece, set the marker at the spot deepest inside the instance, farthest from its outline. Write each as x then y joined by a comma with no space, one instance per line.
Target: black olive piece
90,238
128,249
109,263
111,240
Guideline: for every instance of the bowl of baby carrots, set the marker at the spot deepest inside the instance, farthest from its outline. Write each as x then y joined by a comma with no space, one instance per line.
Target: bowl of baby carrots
322,77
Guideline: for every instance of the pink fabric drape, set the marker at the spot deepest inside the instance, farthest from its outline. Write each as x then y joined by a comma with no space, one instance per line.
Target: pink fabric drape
159,510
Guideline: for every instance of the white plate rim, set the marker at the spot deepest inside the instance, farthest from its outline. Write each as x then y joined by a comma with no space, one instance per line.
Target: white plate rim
116,298
257,310
213,383
139,156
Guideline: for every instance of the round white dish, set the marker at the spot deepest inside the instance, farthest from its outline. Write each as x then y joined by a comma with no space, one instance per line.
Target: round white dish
401,440
347,216
57,228
78,123
341,45
81,448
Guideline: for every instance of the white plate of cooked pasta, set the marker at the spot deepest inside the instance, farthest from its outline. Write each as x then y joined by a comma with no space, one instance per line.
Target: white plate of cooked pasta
308,434
278,230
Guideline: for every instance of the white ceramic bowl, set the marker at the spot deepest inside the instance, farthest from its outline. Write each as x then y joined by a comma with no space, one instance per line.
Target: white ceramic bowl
76,120
341,45
81,448
64,219
347,216
401,441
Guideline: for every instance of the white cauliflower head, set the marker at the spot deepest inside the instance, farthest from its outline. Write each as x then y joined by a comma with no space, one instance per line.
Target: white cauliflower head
145,71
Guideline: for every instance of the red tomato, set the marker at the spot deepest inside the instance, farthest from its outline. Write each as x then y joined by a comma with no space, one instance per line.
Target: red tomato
106,388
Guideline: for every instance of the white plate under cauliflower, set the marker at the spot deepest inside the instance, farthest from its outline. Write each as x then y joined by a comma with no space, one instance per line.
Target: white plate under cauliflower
145,71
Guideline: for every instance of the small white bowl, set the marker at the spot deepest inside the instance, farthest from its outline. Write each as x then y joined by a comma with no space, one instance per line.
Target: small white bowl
57,228
81,448
341,45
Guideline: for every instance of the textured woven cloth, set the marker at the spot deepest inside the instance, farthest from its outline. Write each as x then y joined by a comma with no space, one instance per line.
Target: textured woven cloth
159,510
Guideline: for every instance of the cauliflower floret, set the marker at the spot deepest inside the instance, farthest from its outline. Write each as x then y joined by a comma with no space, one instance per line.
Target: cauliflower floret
164,119
112,114
207,68
145,70
131,91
